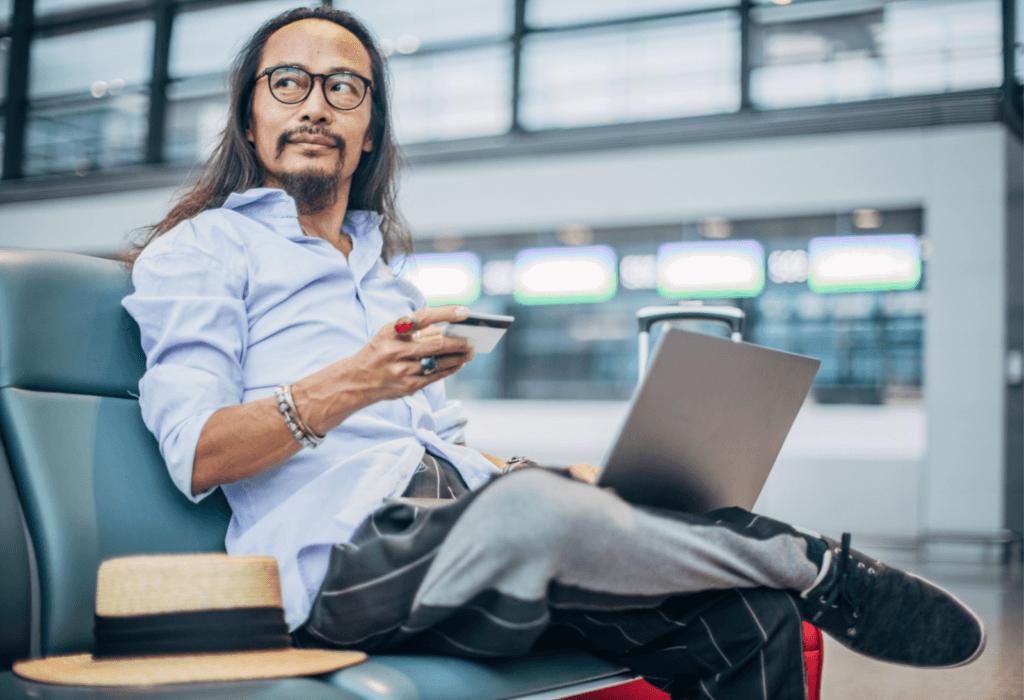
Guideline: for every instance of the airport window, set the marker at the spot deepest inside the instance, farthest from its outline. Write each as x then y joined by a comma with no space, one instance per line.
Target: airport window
553,13
45,7
5,54
942,46
473,68
406,26
454,94
203,44
806,54
1019,53
6,6
91,112
631,73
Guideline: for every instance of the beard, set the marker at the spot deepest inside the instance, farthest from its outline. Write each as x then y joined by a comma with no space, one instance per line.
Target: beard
313,189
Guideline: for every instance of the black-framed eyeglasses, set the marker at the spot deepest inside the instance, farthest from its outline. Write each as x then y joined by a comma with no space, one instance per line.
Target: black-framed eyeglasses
291,85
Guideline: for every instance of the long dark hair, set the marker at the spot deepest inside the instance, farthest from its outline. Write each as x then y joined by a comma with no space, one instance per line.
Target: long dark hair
234,167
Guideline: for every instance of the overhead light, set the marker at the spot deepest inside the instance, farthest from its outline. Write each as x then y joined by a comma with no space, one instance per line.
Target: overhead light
576,234
866,218
98,89
864,263
448,242
715,227
445,278
565,275
704,269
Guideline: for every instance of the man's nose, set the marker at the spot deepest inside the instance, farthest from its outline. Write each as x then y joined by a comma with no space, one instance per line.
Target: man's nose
316,108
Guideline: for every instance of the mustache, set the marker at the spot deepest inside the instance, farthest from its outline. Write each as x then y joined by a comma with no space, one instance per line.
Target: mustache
287,136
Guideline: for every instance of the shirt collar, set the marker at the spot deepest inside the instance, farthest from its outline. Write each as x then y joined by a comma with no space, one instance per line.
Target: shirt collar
261,203
264,204
367,241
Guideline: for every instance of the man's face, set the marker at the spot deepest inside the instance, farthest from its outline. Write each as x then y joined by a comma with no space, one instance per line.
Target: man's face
311,137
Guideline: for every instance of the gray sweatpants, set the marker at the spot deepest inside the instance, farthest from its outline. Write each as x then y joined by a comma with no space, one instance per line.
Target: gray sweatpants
701,606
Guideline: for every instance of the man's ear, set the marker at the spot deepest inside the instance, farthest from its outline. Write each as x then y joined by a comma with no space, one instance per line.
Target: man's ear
249,136
368,142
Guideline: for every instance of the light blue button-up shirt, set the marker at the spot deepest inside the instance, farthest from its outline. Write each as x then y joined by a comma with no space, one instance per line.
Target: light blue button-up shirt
236,301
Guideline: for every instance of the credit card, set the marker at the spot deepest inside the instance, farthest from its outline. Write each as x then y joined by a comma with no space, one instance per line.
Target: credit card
485,329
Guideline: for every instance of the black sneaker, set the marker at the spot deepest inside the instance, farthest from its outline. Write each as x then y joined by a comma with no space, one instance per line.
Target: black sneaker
890,615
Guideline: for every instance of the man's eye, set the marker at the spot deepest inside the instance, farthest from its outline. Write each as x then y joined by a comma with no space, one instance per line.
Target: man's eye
285,83
342,86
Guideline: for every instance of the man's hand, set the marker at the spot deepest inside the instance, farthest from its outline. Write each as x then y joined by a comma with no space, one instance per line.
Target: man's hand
584,472
581,472
386,368
391,360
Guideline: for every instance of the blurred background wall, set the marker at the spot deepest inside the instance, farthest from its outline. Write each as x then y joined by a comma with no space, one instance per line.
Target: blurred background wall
616,143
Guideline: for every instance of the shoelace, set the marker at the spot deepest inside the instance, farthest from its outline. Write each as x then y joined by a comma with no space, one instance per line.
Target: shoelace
849,589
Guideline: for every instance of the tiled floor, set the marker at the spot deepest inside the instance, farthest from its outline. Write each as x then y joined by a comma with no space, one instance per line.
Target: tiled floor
994,592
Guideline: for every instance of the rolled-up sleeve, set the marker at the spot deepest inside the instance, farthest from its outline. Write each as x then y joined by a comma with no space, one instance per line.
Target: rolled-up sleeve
191,312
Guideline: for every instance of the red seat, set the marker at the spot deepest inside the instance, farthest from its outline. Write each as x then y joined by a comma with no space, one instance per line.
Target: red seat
642,690
814,656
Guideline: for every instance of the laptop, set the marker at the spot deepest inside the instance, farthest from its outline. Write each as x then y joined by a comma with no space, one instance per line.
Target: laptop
706,425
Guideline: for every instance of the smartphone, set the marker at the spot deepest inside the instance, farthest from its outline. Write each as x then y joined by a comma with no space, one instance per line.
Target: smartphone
485,329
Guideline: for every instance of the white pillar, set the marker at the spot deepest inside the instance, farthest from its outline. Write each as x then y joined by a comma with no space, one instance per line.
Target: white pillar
962,484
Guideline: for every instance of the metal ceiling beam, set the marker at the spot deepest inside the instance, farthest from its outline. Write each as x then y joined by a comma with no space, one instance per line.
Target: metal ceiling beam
16,111
158,85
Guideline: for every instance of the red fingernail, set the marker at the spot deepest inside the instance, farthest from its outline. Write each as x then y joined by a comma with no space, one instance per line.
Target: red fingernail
404,327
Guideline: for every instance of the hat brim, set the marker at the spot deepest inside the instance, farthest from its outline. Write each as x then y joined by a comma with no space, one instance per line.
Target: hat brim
83,669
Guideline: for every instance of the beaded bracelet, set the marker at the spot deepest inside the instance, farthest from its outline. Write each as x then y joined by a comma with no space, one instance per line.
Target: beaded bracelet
285,410
307,431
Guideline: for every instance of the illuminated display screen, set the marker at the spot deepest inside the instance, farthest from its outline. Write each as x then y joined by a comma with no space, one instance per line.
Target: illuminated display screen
571,275
864,263
704,269
445,278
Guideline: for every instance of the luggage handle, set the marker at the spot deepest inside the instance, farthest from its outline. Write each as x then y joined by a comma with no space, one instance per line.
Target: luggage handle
650,315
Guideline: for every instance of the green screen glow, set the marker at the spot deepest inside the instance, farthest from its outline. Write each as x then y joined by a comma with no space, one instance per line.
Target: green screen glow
574,275
864,263
706,269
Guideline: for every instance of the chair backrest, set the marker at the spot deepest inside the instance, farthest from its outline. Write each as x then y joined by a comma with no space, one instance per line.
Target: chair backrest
16,581
88,473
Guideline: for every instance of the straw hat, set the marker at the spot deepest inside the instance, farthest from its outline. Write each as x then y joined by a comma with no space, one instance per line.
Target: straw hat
183,618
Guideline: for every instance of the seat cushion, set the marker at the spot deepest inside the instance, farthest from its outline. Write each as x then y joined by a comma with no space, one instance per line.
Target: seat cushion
14,688
414,677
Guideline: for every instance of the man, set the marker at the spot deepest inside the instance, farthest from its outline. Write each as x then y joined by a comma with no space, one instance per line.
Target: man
288,366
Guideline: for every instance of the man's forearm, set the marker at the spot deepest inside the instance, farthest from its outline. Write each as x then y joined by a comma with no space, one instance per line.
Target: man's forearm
241,441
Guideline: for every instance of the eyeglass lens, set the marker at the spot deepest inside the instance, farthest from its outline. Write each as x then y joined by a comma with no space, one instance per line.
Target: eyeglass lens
290,84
